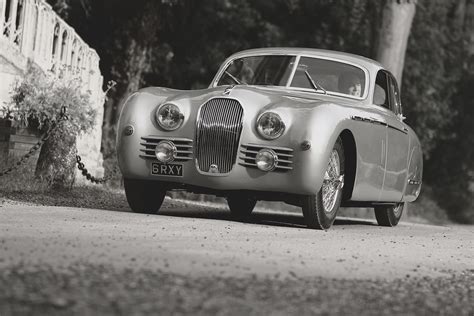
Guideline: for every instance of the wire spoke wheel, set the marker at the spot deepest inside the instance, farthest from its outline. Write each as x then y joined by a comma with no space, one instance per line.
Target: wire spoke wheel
320,209
333,182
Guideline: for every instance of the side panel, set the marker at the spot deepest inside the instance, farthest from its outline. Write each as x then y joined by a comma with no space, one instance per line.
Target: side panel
371,143
397,159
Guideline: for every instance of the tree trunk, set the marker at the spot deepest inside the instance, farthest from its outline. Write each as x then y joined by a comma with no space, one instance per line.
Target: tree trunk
469,25
57,160
393,37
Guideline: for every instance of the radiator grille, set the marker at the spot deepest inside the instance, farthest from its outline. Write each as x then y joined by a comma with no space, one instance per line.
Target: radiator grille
217,135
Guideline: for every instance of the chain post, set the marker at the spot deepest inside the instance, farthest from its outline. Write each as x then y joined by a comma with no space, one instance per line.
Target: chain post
43,139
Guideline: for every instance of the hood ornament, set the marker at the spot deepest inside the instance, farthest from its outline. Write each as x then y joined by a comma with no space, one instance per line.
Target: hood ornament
228,90
213,169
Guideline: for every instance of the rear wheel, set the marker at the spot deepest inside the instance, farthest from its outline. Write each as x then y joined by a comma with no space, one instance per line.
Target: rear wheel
241,206
320,209
390,215
144,196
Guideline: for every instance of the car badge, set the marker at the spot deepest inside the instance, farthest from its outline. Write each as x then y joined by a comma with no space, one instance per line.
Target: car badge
228,90
213,169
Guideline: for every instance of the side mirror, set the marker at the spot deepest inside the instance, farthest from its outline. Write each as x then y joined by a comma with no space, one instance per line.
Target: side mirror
401,117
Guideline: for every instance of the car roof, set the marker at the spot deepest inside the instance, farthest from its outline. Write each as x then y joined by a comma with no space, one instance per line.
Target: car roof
368,63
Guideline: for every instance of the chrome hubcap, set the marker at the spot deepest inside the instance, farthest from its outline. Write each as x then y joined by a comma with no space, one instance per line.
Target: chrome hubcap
333,182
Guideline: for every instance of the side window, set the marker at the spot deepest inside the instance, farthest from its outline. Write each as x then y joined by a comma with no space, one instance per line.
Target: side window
381,95
396,105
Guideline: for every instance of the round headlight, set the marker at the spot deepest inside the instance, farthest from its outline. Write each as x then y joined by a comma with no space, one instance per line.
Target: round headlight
270,125
266,160
165,151
169,117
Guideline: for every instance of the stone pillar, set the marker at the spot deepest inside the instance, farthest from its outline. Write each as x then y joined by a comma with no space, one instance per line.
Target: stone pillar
70,40
48,38
12,20
3,5
27,30
37,56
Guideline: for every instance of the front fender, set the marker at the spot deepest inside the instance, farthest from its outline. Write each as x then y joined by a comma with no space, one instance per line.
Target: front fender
321,126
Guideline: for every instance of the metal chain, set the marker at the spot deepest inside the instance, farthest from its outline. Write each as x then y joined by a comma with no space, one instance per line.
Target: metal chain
44,138
91,178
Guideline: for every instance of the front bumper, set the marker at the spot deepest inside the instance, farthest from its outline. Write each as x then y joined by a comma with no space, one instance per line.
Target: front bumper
137,164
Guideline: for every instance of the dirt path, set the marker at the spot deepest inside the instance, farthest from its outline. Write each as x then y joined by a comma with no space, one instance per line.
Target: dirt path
189,242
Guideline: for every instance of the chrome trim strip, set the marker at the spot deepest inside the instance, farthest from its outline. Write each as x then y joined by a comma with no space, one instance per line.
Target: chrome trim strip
245,151
293,71
375,121
154,137
404,130
267,146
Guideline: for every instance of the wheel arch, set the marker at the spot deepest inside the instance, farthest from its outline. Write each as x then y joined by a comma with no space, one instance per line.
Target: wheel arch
350,163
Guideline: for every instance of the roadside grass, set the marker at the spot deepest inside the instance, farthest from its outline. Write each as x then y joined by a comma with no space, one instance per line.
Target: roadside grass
21,186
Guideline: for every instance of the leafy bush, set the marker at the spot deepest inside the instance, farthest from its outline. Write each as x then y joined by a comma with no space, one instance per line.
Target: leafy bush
38,98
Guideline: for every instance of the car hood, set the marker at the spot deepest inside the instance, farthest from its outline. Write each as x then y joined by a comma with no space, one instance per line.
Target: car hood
254,98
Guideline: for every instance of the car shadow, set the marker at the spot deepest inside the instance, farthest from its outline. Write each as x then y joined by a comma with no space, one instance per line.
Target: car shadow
261,218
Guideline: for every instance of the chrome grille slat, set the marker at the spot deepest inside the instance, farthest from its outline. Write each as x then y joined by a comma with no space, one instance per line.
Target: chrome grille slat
254,152
217,134
184,147
247,156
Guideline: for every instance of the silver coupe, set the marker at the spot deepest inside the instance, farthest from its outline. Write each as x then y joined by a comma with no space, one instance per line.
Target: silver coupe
313,128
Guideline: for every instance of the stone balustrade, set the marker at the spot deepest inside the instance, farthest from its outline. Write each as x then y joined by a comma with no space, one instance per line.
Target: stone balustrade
30,31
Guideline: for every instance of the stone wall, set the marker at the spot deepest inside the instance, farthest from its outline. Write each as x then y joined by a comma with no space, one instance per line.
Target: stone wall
31,31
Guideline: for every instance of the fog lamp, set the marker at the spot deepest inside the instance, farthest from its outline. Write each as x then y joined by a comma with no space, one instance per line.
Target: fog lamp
165,151
266,160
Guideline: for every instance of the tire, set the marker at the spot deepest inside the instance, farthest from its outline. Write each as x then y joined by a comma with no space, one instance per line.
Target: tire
241,206
144,197
389,216
318,214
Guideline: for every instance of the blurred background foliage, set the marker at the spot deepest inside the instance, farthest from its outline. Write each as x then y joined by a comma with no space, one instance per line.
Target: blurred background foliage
181,43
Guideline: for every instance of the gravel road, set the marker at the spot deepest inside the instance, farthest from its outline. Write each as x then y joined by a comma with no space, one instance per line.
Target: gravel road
193,259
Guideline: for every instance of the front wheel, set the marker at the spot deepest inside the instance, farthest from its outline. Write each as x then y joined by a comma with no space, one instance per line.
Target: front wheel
390,215
320,209
144,196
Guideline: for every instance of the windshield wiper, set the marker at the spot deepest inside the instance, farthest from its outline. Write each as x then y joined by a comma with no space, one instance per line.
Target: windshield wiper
237,81
316,86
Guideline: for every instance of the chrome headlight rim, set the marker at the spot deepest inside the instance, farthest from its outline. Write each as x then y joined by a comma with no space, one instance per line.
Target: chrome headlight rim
274,159
260,129
172,148
168,128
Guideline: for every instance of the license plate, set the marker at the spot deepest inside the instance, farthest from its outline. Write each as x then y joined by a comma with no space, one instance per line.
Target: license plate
161,169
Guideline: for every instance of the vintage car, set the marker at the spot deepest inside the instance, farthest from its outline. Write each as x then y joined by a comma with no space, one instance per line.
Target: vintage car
313,128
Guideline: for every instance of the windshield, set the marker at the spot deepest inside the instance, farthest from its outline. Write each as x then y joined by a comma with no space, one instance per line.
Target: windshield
258,70
315,74
334,77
